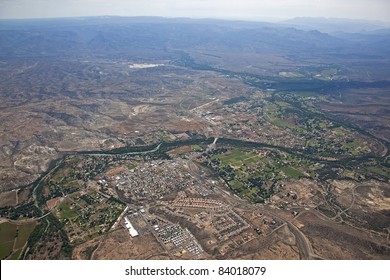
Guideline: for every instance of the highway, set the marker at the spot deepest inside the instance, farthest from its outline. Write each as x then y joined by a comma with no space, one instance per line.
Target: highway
303,243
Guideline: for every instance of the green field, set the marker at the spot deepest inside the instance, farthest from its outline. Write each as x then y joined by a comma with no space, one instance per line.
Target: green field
281,123
131,166
8,233
385,172
6,249
23,234
252,174
87,215
274,113
196,148
352,147
66,211
237,158
16,255
292,173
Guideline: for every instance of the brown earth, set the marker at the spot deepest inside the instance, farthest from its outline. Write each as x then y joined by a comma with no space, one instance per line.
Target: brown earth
119,245
8,198
331,240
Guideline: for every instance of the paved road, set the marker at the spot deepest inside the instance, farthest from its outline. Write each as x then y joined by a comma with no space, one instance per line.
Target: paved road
303,243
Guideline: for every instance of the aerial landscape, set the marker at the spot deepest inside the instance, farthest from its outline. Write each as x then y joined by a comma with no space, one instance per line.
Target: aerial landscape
157,138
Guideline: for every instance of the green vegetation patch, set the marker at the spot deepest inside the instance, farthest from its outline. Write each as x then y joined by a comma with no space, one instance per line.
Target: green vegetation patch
383,171
67,210
6,249
252,160
281,123
232,157
131,166
352,146
71,187
16,255
196,148
23,234
88,215
8,232
254,175
325,137
292,172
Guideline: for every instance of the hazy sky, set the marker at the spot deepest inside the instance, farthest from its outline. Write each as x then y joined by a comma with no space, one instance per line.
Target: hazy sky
229,9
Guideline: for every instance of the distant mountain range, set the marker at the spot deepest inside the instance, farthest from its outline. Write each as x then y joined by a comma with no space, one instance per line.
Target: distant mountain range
107,36
335,25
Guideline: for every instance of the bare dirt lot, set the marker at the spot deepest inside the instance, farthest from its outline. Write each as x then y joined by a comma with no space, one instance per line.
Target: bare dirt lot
8,198
339,241
119,245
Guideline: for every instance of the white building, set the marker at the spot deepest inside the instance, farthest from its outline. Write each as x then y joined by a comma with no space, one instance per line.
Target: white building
130,227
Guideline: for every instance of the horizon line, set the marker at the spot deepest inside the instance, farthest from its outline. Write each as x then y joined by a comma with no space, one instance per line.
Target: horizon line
263,19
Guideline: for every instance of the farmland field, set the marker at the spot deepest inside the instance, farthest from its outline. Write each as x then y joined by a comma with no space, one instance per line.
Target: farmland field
13,238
